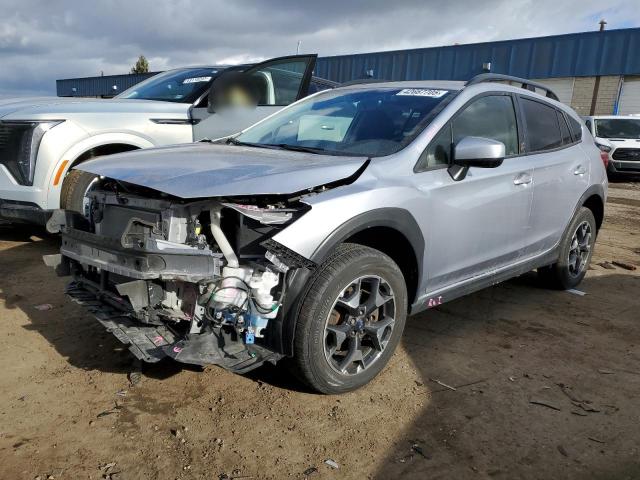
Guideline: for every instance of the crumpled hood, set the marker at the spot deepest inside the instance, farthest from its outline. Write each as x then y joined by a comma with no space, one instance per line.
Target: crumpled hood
201,170
38,107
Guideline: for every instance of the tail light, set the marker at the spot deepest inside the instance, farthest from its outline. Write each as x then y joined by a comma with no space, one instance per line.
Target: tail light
604,153
605,158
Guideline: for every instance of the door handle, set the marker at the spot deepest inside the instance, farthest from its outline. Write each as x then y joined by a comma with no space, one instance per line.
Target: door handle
580,170
522,179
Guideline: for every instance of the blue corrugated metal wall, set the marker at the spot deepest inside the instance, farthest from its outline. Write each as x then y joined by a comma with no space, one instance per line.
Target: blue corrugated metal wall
99,86
612,52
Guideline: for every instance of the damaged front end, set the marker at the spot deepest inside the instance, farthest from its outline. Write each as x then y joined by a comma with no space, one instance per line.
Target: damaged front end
200,281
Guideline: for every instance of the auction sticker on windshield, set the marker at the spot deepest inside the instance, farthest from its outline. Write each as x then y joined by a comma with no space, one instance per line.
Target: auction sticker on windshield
196,80
422,92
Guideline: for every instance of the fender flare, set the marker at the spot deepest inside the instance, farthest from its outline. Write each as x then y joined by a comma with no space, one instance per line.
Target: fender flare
595,189
297,284
391,217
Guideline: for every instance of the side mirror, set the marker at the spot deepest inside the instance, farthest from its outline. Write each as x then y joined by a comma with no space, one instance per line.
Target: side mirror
475,152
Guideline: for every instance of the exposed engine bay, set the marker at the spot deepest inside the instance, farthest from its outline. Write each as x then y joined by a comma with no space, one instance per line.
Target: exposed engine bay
199,281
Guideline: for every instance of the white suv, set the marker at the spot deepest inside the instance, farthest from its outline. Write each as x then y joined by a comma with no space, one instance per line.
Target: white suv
42,139
618,137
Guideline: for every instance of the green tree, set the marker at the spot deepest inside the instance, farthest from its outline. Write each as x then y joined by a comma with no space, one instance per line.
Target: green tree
141,66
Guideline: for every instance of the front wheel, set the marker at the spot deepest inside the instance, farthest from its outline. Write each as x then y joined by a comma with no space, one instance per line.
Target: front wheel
350,320
75,189
576,249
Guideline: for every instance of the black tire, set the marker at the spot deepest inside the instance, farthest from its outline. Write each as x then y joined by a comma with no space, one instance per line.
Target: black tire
346,264
561,275
74,188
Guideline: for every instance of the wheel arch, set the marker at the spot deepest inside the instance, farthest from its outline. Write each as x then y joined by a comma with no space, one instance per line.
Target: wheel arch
380,229
393,231
595,203
101,150
593,198
89,148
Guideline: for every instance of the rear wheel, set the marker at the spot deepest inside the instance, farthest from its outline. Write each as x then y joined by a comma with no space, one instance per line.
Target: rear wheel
351,319
75,189
576,250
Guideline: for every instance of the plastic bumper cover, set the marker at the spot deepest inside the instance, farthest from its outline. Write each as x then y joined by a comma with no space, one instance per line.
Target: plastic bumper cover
616,166
23,212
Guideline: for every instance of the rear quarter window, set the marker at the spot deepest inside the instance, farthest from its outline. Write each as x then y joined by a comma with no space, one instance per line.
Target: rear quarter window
564,129
576,128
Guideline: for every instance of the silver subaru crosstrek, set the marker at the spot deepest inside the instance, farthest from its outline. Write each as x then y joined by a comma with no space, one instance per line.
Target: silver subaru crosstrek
315,232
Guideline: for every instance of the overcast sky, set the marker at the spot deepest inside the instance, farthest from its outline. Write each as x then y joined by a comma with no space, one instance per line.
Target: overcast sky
41,41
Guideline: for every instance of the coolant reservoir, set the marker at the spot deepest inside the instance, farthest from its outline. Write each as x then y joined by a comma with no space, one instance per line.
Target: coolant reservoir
232,290
261,285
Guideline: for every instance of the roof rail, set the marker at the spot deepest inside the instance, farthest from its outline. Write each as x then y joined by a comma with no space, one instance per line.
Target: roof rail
526,84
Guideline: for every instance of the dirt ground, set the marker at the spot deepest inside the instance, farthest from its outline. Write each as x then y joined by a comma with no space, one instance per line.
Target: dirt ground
512,382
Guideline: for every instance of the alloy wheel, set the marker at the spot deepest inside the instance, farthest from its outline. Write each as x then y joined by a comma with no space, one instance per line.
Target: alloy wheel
359,325
580,249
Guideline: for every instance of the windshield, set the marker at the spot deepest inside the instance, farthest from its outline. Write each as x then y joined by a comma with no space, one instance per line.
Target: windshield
185,85
373,122
618,128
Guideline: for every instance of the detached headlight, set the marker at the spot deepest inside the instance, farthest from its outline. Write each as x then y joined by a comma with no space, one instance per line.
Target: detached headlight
266,216
603,147
19,143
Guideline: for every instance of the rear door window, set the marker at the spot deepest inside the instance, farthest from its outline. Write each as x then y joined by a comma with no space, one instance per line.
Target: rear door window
543,128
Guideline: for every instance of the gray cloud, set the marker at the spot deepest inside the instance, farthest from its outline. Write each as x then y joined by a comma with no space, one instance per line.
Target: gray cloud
41,41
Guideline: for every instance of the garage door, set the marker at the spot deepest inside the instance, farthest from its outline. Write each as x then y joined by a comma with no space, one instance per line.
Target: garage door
563,87
629,102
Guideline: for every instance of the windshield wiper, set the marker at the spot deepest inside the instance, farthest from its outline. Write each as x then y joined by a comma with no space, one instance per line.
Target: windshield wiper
300,148
235,141
282,146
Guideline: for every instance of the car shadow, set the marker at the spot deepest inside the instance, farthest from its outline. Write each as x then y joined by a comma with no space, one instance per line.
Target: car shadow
281,376
26,284
523,382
